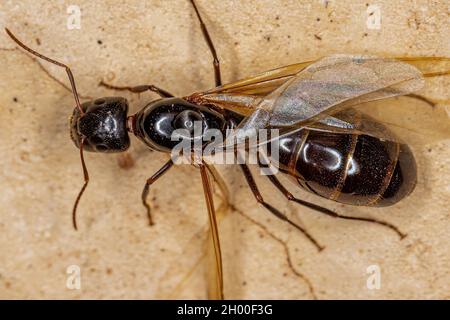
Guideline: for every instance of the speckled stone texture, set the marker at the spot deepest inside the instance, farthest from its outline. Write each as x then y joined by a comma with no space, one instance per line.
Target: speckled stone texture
143,42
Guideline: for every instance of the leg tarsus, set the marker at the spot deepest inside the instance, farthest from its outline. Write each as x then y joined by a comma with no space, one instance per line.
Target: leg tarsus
328,212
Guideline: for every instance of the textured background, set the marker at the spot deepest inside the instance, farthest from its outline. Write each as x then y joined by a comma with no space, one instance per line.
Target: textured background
160,42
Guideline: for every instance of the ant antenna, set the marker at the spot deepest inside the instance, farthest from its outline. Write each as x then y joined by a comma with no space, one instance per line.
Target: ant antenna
77,100
86,181
39,55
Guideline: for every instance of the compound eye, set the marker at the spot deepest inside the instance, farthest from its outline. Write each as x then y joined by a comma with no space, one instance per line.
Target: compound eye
101,148
99,101
188,120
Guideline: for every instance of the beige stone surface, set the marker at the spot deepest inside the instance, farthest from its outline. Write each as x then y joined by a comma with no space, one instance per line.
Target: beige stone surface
141,42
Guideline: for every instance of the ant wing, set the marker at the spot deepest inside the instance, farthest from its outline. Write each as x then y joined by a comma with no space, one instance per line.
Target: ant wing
332,84
408,119
243,95
246,96
414,119
302,94
403,119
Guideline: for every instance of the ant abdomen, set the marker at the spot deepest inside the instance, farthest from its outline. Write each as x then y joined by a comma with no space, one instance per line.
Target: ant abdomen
351,169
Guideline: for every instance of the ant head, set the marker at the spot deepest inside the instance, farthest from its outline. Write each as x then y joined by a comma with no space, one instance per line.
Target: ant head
102,126
98,126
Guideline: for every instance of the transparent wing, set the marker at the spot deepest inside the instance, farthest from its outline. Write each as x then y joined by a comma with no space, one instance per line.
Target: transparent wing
310,93
332,84
243,95
402,119
262,83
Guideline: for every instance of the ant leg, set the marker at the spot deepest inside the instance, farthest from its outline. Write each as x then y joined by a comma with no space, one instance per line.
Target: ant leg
328,212
276,212
217,291
149,182
225,193
210,44
139,89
